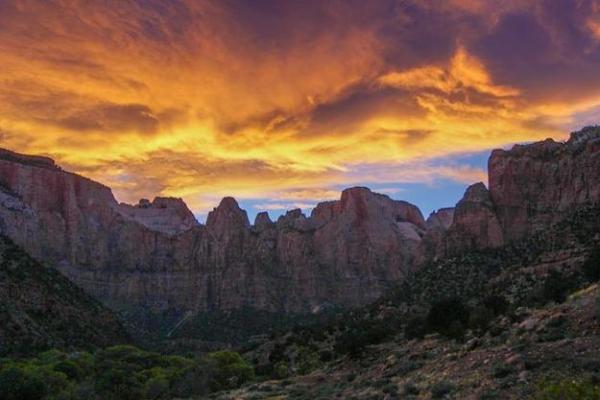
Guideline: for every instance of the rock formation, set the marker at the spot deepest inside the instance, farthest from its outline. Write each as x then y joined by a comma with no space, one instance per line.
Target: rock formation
530,187
347,252
156,255
164,214
534,185
41,309
475,224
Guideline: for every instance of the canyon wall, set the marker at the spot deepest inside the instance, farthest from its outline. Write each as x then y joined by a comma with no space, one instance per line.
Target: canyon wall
347,252
530,187
156,255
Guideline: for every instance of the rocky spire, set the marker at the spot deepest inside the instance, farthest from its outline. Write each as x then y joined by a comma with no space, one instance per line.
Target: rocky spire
227,216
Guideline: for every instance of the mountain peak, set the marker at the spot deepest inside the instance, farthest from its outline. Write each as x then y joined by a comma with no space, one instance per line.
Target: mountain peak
226,215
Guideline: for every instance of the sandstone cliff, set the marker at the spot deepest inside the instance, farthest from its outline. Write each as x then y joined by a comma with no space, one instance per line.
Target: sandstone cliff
530,187
156,255
475,224
347,252
534,185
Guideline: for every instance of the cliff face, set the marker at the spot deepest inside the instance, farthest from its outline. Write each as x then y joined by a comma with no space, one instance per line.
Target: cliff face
534,185
156,255
475,224
530,187
347,252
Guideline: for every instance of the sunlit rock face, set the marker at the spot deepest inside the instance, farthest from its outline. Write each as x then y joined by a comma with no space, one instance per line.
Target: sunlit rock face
163,214
155,254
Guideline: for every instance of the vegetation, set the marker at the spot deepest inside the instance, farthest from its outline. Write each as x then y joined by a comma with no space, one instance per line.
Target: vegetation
40,309
448,317
479,296
360,333
591,266
567,389
120,373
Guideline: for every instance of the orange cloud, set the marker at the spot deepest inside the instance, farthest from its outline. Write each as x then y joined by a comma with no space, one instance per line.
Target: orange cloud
203,99
594,27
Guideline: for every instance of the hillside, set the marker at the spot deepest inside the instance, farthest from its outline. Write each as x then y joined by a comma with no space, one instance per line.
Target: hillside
41,309
546,353
520,321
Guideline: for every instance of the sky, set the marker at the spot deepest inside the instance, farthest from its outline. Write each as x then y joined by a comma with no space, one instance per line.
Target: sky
282,104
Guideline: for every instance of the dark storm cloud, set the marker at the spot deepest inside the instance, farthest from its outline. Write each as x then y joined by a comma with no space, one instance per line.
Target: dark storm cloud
113,118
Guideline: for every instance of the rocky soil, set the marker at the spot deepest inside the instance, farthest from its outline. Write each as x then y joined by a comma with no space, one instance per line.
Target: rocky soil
516,359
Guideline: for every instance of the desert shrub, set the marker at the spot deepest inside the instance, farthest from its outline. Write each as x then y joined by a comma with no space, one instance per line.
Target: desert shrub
441,389
325,355
307,361
498,304
597,309
281,370
230,370
17,384
70,369
448,317
351,342
390,389
556,287
416,327
155,388
567,389
591,266
480,318
411,389
490,394
119,373
501,370
118,380
360,334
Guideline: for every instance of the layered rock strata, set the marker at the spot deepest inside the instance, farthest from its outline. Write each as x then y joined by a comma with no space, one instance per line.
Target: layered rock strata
347,252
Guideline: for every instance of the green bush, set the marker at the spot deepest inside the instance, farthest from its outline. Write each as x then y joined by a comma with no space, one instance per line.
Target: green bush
416,327
230,370
556,287
480,318
567,389
307,361
448,317
359,334
281,370
155,388
119,373
498,304
441,389
70,369
501,370
591,266
17,384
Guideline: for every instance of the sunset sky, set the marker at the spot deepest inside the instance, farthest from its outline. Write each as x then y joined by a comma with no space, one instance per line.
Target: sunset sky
283,103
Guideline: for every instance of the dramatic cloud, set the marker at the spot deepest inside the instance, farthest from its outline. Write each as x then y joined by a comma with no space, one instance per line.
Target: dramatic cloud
282,102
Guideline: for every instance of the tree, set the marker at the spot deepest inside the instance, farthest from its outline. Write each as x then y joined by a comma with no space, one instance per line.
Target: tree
448,317
230,370
591,266
15,384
